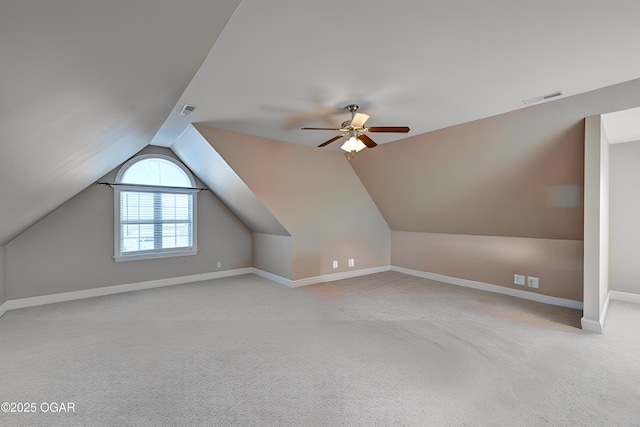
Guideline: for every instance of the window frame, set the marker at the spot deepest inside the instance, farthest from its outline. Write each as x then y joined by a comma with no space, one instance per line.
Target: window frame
120,186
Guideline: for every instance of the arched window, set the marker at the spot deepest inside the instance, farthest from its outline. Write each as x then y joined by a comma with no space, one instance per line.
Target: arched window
155,209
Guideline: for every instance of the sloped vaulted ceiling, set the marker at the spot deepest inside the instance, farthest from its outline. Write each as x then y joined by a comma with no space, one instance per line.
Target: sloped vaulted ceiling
85,84
518,174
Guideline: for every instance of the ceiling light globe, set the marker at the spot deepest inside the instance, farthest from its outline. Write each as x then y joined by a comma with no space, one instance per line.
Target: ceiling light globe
353,144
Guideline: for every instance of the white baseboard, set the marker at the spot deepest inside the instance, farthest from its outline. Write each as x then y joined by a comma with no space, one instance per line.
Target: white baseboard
624,296
563,302
319,279
117,289
591,325
110,290
339,276
597,326
273,277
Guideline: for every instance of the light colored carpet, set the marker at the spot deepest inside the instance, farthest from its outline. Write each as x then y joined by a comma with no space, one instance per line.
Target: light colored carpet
386,349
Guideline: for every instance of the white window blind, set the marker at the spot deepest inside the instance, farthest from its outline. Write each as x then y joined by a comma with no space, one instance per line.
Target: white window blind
155,221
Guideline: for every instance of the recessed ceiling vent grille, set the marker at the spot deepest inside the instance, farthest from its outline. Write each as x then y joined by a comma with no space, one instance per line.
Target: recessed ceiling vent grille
543,97
187,109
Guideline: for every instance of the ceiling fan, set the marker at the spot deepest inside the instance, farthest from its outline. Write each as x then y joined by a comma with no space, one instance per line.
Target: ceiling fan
355,130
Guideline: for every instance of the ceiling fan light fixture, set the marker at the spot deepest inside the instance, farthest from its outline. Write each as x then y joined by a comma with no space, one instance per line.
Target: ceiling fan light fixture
356,130
352,145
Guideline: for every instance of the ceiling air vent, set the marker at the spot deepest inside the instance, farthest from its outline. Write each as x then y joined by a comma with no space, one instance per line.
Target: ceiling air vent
543,98
187,109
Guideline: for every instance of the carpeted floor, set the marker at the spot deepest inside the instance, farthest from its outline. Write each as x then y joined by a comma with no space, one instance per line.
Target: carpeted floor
386,349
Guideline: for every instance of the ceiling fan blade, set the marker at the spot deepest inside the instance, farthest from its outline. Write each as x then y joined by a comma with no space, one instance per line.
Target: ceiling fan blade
335,138
320,112
334,129
395,129
367,141
359,120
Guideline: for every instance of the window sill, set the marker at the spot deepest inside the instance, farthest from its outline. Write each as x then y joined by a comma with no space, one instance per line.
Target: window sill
139,256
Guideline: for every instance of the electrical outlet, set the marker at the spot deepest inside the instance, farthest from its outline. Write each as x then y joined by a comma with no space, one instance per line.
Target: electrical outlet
518,279
335,264
352,262
534,282
219,264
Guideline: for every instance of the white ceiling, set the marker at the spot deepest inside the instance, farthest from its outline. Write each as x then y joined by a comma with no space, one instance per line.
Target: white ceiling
425,64
85,84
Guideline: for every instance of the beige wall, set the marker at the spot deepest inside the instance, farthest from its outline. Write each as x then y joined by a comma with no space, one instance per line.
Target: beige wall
624,217
491,177
494,260
519,175
488,199
72,248
315,195
273,254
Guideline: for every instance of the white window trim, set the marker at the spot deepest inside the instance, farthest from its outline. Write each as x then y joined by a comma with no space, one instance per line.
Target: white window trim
167,253
137,159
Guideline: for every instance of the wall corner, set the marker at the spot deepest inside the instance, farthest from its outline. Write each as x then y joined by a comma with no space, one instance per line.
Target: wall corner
3,293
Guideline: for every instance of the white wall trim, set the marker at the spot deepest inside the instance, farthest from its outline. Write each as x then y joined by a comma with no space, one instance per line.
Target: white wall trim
595,325
624,296
563,302
591,325
117,289
598,327
339,276
320,279
273,277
